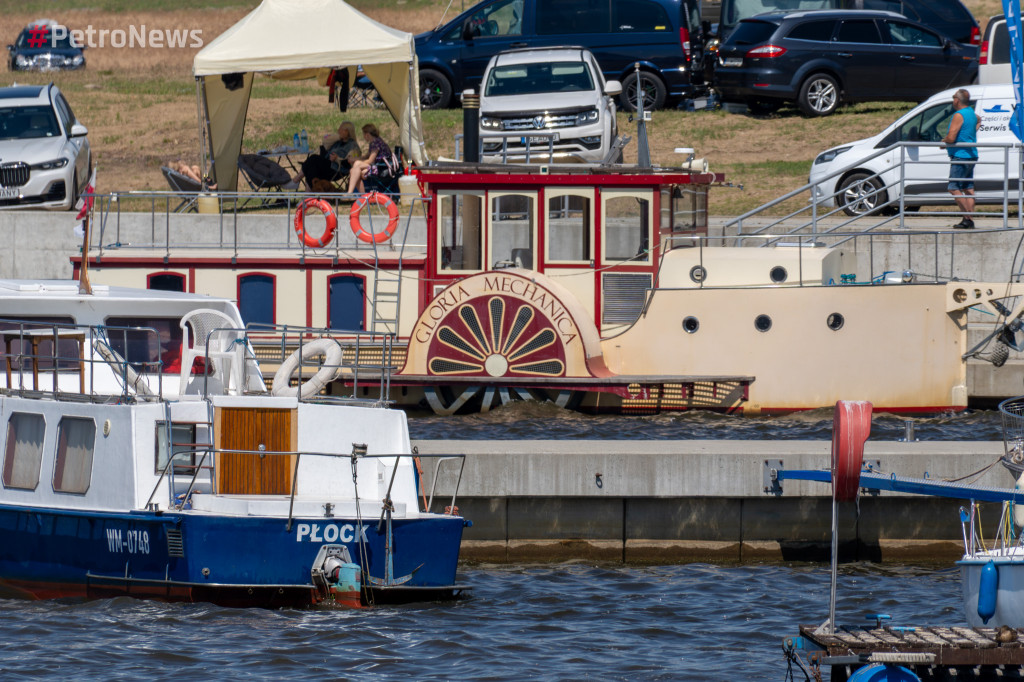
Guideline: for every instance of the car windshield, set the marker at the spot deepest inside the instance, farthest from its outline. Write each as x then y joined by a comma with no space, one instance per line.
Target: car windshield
734,10
531,79
45,38
22,123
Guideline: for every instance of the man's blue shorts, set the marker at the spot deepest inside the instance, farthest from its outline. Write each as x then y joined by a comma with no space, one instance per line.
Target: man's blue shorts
961,177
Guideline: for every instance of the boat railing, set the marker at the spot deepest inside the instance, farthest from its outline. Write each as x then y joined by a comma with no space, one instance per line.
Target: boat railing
346,363
1011,411
116,226
907,256
876,210
538,146
105,363
183,461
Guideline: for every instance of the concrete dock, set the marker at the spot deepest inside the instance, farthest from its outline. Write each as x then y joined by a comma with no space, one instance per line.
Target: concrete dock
682,501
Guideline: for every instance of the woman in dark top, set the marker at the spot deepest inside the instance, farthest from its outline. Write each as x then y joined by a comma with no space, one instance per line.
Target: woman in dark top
365,166
333,162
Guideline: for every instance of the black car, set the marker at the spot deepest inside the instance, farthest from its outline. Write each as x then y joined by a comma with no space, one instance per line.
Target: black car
45,45
822,58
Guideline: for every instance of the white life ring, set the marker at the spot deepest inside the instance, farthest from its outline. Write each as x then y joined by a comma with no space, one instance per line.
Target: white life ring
331,352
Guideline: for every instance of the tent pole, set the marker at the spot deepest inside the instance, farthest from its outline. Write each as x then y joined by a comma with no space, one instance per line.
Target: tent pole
204,127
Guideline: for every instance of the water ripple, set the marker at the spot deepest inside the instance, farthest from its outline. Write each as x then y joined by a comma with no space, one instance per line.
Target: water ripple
529,420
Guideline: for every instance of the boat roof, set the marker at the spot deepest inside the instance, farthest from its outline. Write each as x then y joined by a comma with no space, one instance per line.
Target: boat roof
69,289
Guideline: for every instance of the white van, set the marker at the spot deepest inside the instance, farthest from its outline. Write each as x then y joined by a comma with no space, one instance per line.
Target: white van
865,179
994,57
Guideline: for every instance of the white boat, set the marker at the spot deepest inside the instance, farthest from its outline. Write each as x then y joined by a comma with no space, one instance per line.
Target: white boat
143,455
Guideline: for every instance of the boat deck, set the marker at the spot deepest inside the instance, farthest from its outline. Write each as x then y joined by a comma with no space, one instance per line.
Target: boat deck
927,646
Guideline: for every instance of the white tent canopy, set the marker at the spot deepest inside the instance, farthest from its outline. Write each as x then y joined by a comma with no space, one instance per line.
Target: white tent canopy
295,38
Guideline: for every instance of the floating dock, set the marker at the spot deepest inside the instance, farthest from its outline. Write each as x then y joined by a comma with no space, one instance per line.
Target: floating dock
930,652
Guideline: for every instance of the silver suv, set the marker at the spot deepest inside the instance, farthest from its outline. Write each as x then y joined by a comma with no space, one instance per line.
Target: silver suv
533,96
45,158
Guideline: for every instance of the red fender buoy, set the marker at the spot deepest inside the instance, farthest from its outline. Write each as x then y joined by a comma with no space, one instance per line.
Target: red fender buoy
300,217
851,426
361,232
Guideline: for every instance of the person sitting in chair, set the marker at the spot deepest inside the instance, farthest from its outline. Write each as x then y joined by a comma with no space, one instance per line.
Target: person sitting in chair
191,172
365,166
335,157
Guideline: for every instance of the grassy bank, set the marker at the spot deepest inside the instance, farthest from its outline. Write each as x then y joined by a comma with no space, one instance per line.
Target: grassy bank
140,105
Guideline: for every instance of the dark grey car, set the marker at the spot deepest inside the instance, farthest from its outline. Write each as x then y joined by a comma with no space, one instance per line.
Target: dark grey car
819,59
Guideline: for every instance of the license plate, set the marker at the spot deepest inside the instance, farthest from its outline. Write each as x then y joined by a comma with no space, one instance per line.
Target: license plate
732,61
8,193
535,141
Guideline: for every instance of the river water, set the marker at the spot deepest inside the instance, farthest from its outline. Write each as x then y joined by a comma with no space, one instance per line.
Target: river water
553,622
532,420
573,621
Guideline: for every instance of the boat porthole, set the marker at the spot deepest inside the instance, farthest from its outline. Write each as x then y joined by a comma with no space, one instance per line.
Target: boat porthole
762,323
698,274
778,274
690,324
835,321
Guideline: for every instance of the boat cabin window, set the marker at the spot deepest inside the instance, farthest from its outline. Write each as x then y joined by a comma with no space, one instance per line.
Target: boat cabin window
512,230
23,453
627,226
684,208
147,343
181,447
569,227
76,440
166,281
460,230
68,350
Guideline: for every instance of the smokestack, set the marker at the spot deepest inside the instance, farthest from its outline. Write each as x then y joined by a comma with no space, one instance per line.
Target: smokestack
471,125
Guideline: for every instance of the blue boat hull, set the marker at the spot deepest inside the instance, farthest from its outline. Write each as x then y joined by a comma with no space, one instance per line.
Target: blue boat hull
238,561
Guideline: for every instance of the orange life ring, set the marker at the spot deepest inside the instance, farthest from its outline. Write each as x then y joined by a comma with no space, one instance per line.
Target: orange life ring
300,228
361,232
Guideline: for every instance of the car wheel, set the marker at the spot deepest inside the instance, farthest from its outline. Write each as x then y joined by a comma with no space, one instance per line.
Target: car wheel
861,193
435,90
650,85
819,95
763,107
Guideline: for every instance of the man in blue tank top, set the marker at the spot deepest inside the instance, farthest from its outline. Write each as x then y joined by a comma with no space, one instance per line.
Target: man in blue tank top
963,130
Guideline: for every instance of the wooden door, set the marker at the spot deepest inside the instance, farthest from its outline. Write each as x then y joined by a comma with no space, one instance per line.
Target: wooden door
245,428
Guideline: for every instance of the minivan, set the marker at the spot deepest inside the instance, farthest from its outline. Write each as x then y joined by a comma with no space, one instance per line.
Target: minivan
664,37
948,17
861,182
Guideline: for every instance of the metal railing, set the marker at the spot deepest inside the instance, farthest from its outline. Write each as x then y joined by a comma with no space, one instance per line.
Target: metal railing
110,232
887,196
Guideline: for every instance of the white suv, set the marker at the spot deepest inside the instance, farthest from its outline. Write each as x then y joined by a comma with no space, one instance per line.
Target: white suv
531,96
45,158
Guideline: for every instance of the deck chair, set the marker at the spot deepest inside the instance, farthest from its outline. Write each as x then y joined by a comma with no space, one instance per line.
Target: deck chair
185,187
263,175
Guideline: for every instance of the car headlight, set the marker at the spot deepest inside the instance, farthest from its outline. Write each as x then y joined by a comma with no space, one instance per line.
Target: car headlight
830,155
78,60
22,60
490,123
50,165
585,117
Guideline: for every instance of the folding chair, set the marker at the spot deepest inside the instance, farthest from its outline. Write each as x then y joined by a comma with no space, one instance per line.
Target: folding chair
388,172
185,187
363,94
263,174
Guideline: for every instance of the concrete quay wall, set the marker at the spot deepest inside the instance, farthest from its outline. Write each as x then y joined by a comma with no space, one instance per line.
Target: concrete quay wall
682,501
